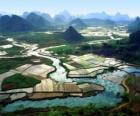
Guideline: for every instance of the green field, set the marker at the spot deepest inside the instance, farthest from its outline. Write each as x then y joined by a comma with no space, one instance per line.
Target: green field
18,81
63,50
46,61
15,50
8,64
43,39
3,41
11,63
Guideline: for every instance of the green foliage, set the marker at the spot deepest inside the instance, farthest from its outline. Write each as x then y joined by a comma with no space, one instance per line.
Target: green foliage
43,39
135,99
63,50
133,84
19,81
122,49
76,111
47,61
3,41
125,96
56,113
11,63
15,50
64,60
8,64
130,80
89,110
86,47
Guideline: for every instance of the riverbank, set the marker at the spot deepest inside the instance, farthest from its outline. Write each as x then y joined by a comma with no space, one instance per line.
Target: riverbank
109,97
125,85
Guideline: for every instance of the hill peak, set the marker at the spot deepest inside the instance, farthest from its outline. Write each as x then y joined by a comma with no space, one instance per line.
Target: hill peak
72,35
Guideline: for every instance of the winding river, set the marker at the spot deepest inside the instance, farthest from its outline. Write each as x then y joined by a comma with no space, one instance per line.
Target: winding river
110,97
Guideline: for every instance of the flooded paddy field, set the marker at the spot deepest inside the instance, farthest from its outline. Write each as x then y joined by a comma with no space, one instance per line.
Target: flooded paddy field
91,73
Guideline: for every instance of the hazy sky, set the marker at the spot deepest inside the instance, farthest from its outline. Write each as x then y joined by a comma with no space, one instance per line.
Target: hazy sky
130,7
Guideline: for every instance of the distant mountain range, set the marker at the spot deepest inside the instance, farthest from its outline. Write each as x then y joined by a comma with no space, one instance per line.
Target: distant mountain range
135,25
28,22
99,22
78,23
38,21
65,17
14,23
105,16
44,15
43,21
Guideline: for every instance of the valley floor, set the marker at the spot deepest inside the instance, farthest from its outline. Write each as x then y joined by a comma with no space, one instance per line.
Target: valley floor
63,80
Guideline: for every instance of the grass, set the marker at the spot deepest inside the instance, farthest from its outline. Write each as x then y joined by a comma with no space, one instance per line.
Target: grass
65,60
18,81
89,110
46,40
8,64
63,50
47,61
43,39
15,50
133,84
11,63
95,38
3,41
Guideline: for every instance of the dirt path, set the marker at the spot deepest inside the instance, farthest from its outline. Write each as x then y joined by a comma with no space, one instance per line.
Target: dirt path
124,84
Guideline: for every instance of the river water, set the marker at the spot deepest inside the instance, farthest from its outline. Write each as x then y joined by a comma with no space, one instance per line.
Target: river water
109,97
